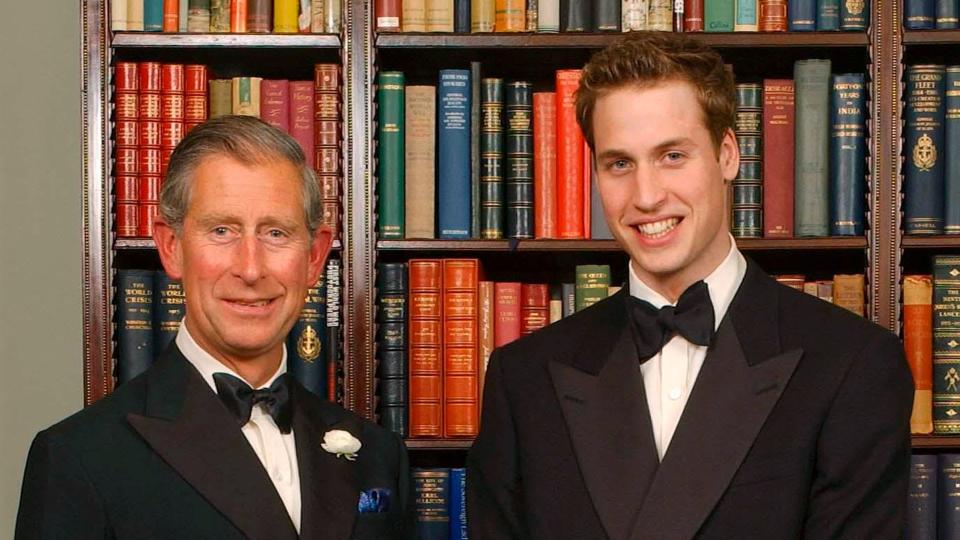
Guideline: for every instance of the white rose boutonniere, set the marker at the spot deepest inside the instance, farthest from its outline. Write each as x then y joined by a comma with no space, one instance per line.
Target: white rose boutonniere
341,443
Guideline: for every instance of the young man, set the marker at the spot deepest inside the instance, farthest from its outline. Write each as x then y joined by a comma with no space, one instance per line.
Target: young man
189,449
704,400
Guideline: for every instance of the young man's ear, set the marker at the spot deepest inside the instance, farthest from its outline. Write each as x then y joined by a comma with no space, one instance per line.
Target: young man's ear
729,156
319,250
168,246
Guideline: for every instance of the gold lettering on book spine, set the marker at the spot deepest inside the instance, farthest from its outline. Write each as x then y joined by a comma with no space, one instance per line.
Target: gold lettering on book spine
924,153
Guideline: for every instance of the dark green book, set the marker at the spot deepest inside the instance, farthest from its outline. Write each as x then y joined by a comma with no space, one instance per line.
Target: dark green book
169,308
718,15
946,345
491,159
390,155
475,104
828,15
593,284
306,343
924,155
812,145
848,154
951,142
854,16
392,345
134,313
747,219
519,170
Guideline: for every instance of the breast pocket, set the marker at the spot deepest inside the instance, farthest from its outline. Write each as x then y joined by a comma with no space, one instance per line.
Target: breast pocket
377,526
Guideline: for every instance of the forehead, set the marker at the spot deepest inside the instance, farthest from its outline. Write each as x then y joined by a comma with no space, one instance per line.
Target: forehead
667,109
224,184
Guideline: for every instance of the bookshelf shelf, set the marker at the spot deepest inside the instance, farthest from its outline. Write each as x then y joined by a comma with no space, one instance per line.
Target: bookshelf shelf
931,37
759,244
137,40
133,244
934,442
932,241
732,40
439,444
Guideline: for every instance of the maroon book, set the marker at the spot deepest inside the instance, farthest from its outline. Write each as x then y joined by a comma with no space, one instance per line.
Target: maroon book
260,16
778,138
275,103
301,117
693,15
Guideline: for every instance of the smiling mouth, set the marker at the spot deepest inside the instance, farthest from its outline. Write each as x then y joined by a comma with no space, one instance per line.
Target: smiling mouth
250,304
656,229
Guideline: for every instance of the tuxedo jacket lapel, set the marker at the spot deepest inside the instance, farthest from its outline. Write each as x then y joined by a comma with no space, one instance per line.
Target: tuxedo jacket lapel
329,485
741,380
605,409
188,427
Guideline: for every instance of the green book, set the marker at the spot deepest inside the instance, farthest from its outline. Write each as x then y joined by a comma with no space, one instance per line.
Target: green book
475,150
718,15
946,345
812,148
390,155
593,284
221,97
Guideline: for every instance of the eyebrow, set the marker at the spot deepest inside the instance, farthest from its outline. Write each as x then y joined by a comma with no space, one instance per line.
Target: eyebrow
615,153
216,219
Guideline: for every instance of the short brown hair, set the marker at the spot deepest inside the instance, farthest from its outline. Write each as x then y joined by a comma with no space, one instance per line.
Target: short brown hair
644,59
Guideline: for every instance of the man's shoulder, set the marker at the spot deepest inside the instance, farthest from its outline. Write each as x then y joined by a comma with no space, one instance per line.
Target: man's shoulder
370,433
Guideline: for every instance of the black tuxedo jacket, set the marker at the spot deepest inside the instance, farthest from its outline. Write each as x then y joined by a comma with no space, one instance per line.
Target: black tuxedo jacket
797,427
162,458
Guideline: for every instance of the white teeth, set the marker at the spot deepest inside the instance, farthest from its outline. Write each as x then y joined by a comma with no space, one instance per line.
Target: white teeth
658,228
253,304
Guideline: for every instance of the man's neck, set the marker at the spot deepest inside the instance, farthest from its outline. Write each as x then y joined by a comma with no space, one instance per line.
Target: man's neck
255,370
671,286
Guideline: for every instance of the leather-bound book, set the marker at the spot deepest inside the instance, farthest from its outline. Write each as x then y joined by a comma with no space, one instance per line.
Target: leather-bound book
545,164
152,15
439,15
198,16
510,16
426,347
221,97
169,308
432,488
301,118
693,16
802,15
334,337
420,161
172,111
946,12
387,13
574,16
946,344
485,294
811,167
307,340
286,16
748,185
855,16
126,137
718,15
951,143
593,284
848,154
475,118
275,103
606,15
149,152
327,140
392,345
922,499
219,15
569,157
195,108
848,292
461,414
413,15
238,16
534,307
919,14
461,16
918,345
171,15
924,153
492,197
483,15
259,16
778,133
134,316
773,16
453,154
828,15
506,312
390,155
948,511
246,96
518,173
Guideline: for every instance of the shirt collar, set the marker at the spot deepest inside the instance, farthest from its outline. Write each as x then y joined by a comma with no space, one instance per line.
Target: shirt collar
207,365
722,283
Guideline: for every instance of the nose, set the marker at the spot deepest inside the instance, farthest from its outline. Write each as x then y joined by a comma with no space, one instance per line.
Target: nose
249,260
649,193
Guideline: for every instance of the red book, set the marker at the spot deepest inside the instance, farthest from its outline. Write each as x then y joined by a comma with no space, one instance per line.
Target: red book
569,157
778,144
238,16
195,106
301,118
148,74
693,15
388,15
171,15
506,313
126,139
149,153
545,164
461,413
773,16
425,348
275,103
172,111
327,128
534,307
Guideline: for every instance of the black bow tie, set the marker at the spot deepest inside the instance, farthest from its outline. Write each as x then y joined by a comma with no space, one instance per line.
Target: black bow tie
239,399
692,318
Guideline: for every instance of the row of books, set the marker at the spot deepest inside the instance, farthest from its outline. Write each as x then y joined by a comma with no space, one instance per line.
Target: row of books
157,104
930,14
844,290
931,192
931,339
235,16
933,511
438,321
465,16
441,503
149,307
802,155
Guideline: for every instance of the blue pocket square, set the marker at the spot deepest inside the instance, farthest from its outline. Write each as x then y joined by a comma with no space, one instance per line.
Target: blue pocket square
374,500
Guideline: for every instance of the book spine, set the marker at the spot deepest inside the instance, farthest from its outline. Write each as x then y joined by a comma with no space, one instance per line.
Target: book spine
574,16
593,283
948,487
246,95
660,15
439,15
556,305
221,97
951,141
924,181
219,15
126,140
461,413
946,345
747,219
392,345
946,14
773,16
510,16
332,17
693,16
171,15
169,308
461,16
316,15
718,15
848,154
848,292
922,505
195,109
519,166
534,307
485,293
184,15
633,15
778,132
533,15
425,354
506,312
802,15
388,15
134,313
569,157
606,15
414,16
453,149
918,345
198,16
334,339
483,15
327,139
745,16
919,14
172,114
545,164
811,176
475,120
149,150
301,118
118,15
458,504
238,16
285,16
420,133
568,294
259,16
432,488
306,343
390,155
152,15
828,15
491,163
275,103
854,16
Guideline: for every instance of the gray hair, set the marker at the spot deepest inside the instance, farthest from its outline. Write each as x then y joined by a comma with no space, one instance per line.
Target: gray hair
248,140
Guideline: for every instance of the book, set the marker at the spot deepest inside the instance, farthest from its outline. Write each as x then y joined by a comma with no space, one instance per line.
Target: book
238,16
545,164
633,15
946,345
778,132
534,307
301,118
259,16
307,341
453,154
221,97
923,150
483,15
811,154
439,15
390,155
548,16
951,143
593,283
286,16
506,312
606,15
773,16
461,16
802,15
152,15
492,196
485,295
432,489
848,154
918,345
275,103
195,107
391,319
919,14
945,14
575,16
126,141
660,15
461,413
747,187
569,158
333,329
922,501
457,503
828,15
848,292
219,15
518,173
118,15
419,148
948,495
745,16
198,16
135,15
387,15
510,16
134,319
327,140
475,157
425,348
246,96
854,16
169,309
718,15
533,14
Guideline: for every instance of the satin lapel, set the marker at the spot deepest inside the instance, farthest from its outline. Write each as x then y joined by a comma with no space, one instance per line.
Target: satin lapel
734,393
609,425
190,429
329,485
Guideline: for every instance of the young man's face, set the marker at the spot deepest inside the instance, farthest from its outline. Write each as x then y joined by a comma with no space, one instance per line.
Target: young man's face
662,183
244,256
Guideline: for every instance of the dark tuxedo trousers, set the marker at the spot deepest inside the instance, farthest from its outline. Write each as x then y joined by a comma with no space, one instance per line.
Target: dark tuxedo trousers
797,427
162,458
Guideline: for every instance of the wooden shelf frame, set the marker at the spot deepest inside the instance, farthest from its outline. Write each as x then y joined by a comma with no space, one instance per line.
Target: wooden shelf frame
141,40
571,40
745,244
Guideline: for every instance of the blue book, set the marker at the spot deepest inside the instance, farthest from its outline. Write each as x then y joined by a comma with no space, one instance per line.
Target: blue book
169,308
919,14
307,342
924,150
152,15
453,154
848,151
134,314
947,14
948,511
802,15
461,16
922,501
458,504
432,488
951,142
828,15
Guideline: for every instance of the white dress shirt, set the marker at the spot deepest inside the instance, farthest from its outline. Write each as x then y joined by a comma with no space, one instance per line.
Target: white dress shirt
669,376
277,451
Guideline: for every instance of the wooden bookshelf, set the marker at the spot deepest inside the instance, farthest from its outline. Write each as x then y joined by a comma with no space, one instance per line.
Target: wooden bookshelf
133,244
933,442
946,241
439,444
766,40
745,244
931,37
141,40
